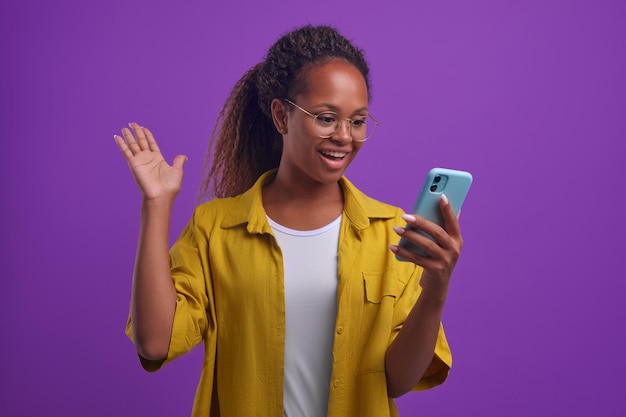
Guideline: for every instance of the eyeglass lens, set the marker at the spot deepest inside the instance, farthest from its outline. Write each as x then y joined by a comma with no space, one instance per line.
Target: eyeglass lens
361,127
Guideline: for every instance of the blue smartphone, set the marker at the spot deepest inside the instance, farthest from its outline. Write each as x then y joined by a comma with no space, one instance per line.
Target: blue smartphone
454,184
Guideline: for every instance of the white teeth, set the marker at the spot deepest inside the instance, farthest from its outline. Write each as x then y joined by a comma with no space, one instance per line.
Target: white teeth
334,154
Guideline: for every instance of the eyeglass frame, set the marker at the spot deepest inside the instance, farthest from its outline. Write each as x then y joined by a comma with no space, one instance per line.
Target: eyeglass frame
341,119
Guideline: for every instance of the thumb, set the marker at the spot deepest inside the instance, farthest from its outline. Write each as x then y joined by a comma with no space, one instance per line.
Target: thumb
179,161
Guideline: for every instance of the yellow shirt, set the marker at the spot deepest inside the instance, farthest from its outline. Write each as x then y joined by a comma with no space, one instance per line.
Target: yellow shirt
228,273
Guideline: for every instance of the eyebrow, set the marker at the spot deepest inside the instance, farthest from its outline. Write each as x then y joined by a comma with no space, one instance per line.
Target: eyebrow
336,110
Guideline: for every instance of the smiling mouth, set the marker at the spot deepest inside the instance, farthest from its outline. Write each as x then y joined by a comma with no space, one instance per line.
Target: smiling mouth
335,156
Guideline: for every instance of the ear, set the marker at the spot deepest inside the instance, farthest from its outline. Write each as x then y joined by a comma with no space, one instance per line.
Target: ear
279,115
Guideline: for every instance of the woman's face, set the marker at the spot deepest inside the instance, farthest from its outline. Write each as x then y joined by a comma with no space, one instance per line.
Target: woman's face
334,86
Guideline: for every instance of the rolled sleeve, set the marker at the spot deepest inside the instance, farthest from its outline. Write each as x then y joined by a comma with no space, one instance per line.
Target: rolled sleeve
437,371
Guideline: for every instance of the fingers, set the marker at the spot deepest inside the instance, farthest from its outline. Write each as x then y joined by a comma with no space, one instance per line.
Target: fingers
128,154
131,143
437,255
152,145
135,139
418,248
440,238
426,262
450,221
446,240
140,136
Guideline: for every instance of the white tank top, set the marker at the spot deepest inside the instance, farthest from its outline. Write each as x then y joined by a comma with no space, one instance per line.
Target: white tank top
310,262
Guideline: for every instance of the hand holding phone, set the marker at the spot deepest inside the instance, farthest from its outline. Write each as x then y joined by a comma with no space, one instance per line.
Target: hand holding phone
454,184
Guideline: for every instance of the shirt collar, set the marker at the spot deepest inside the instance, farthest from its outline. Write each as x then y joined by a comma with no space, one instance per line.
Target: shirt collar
248,209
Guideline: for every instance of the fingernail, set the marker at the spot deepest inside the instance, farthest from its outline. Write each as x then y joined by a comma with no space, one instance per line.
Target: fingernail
393,248
444,199
408,217
399,230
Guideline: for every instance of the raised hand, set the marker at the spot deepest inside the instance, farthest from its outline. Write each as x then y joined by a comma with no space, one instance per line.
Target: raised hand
155,177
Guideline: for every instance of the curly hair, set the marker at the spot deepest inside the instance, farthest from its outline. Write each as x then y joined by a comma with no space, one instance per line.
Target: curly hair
244,142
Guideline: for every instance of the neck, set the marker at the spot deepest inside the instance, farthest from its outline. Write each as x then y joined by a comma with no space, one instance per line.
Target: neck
303,189
300,204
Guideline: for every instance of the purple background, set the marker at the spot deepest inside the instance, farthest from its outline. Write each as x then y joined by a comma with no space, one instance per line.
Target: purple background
528,96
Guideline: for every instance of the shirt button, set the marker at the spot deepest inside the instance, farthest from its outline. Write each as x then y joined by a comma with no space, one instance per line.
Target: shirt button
339,330
337,383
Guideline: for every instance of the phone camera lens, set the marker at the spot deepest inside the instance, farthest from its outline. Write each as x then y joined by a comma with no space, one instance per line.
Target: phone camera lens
437,179
433,188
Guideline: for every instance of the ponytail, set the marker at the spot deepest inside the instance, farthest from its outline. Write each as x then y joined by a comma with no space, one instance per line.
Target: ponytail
244,142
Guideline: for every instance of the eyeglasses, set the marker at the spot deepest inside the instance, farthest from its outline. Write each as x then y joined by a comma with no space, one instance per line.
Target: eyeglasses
328,123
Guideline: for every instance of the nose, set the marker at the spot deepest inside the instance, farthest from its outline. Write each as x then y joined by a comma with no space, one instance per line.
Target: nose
343,133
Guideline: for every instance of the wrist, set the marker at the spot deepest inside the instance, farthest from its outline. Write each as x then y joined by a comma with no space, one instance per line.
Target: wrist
433,293
157,203
156,208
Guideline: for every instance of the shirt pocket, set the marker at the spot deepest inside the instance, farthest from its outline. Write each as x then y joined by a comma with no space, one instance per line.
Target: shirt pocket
380,293
380,285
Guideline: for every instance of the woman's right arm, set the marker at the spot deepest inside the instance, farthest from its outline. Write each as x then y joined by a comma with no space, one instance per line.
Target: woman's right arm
153,298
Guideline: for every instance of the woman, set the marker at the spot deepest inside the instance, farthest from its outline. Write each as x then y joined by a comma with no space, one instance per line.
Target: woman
289,276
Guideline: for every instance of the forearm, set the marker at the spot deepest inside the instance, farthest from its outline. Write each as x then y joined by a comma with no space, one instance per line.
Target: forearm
153,299
411,352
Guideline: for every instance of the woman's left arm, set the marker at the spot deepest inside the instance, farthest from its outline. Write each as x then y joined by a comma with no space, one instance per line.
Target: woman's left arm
411,352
